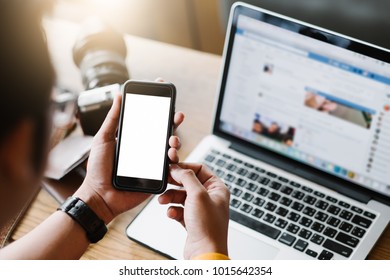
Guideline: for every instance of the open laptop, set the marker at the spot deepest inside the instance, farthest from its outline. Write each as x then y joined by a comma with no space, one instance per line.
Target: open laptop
301,137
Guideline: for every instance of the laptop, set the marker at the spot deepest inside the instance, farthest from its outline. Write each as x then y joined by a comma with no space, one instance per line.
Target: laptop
301,137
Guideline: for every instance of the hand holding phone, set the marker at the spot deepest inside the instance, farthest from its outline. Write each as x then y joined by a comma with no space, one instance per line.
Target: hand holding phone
145,125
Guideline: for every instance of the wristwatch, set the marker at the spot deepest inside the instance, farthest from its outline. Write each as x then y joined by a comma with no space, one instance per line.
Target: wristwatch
79,211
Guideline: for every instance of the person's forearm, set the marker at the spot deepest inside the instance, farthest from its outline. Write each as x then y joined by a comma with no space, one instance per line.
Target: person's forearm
58,237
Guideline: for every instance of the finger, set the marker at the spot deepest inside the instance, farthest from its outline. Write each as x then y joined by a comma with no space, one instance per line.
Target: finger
202,172
178,119
187,178
159,80
173,156
176,213
174,142
107,131
173,196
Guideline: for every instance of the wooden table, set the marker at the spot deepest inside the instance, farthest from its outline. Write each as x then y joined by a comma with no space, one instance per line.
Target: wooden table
195,75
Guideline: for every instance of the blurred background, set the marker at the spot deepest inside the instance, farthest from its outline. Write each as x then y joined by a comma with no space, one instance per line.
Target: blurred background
200,24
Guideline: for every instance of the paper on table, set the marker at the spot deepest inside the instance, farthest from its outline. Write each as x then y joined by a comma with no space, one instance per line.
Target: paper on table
67,155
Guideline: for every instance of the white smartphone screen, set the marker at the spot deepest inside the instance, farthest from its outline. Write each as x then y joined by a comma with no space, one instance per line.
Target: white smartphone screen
143,137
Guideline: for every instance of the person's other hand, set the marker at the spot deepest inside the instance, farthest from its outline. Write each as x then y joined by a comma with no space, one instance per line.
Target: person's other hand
97,189
202,207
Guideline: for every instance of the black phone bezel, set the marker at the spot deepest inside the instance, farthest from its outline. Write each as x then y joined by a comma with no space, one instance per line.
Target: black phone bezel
143,184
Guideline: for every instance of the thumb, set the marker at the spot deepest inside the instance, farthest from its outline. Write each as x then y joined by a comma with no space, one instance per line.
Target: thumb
187,178
107,131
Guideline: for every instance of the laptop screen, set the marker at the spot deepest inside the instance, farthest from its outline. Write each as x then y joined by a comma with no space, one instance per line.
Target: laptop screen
309,95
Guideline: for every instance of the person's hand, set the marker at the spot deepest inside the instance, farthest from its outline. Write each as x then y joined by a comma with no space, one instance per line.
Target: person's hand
202,207
97,189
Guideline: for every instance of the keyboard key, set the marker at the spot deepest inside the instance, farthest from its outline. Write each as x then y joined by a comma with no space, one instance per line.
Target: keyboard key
258,169
361,221
357,210
269,218
298,195
248,165
285,201
318,227
307,189
293,216
256,225
235,203
331,199
282,179
325,255
231,167
274,196
272,175
304,233
334,210
322,204
297,206
345,214
346,226
281,211
319,194
275,185
337,248
287,239
209,158
264,181
286,190
306,222
321,216
281,223
257,213
237,160
247,197
236,192
226,156
270,206
295,184
240,182
220,163
317,239
369,215
301,245
344,204
215,152
242,171
347,239
333,221
258,201
330,232
263,191
229,177
253,176
311,253
358,232
246,208
308,211
252,187
310,199
293,228
219,173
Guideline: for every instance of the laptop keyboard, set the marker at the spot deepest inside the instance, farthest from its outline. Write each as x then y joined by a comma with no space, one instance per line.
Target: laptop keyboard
294,214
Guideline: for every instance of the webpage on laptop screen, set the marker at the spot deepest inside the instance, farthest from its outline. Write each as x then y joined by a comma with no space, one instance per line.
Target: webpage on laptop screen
312,101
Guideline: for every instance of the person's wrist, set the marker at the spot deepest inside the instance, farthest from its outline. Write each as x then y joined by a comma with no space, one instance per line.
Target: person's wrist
95,202
208,246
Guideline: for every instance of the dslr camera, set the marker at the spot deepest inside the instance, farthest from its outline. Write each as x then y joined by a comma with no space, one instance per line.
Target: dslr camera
100,54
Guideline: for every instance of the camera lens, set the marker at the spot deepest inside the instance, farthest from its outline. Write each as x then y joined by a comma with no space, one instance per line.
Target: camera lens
100,53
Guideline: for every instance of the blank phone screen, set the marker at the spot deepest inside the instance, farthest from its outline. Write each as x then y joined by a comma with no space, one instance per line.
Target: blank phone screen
144,132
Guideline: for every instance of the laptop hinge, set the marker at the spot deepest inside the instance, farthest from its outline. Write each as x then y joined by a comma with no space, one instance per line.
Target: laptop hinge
304,171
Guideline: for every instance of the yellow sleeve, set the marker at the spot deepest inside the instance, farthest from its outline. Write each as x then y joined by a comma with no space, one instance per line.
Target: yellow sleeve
211,256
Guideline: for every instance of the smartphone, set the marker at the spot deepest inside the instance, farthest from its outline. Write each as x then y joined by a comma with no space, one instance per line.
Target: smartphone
145,125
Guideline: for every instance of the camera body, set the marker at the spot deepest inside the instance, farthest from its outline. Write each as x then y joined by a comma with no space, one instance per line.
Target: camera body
100,53
93,106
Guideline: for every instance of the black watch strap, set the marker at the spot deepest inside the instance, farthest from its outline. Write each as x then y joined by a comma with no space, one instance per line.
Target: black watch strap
79,211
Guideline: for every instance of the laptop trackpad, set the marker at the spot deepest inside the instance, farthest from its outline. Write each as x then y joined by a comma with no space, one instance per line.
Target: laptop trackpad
245,247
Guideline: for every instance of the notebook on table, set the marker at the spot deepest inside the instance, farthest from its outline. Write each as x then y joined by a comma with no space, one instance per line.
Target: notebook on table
300,137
